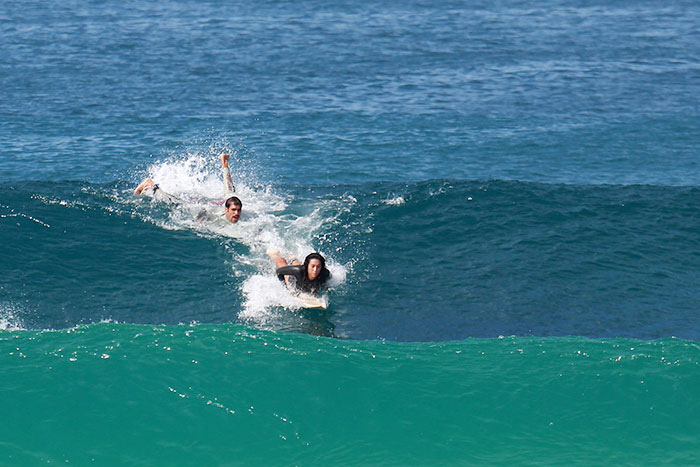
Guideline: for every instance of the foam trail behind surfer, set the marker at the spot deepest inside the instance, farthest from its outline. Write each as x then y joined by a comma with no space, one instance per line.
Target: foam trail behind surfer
233,205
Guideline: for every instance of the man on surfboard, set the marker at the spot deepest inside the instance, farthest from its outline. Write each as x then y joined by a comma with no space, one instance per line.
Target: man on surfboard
307,277
232,205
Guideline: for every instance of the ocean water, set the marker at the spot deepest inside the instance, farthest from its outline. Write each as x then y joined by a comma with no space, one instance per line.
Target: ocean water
507,195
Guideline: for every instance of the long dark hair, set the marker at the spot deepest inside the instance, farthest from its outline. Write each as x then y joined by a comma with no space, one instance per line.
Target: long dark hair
311,256
321,278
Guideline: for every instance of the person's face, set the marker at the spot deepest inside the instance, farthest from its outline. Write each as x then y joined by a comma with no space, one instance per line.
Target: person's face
314,269
233,212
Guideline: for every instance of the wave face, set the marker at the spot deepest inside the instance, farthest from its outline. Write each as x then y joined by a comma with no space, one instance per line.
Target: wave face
430,261
231,395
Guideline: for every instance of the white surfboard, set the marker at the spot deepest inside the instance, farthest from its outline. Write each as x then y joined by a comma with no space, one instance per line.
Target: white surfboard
312,301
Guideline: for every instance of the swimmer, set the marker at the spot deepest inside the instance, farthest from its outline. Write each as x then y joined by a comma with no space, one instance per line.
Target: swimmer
233,204
307,277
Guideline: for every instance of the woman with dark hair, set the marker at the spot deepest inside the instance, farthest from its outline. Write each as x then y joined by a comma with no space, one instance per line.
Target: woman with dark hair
307,277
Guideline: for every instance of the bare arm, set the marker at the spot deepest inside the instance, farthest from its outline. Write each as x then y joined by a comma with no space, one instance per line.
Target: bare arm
278,260
227,174
280,264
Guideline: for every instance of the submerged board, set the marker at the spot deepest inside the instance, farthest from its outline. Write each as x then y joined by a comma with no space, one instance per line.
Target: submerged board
311,301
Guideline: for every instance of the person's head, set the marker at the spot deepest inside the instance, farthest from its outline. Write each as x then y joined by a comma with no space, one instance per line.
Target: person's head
233,209
314,264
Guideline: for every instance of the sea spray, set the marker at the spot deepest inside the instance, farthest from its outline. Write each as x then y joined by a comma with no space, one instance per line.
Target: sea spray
269,221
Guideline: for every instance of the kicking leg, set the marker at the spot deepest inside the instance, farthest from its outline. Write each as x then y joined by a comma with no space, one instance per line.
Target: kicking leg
149,188
148,183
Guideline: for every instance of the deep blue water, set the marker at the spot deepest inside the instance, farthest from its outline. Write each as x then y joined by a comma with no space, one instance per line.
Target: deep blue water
435,260
571,92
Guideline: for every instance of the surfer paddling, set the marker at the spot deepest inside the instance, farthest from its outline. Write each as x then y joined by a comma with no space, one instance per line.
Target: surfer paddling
232,205
307,277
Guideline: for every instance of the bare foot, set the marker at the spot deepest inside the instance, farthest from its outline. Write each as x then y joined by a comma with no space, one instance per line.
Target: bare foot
148,183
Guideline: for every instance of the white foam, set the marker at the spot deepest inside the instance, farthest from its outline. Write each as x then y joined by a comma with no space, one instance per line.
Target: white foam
262,293
265,223
9,317
189,176
395,201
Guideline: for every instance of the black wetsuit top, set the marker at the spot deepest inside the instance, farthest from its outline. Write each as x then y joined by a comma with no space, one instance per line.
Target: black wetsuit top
301,282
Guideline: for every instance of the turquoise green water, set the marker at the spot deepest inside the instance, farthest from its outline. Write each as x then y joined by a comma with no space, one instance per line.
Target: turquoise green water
226,395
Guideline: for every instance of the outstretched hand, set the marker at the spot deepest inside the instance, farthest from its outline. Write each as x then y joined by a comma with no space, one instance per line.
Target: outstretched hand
224,159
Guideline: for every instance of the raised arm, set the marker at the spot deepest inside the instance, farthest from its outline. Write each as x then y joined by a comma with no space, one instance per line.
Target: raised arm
227,174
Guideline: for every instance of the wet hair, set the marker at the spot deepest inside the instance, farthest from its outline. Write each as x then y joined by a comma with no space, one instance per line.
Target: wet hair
324,275
233,200
314,256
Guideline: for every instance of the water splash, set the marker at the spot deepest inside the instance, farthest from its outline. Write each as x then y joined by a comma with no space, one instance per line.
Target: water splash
10,319
269,221
394,200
